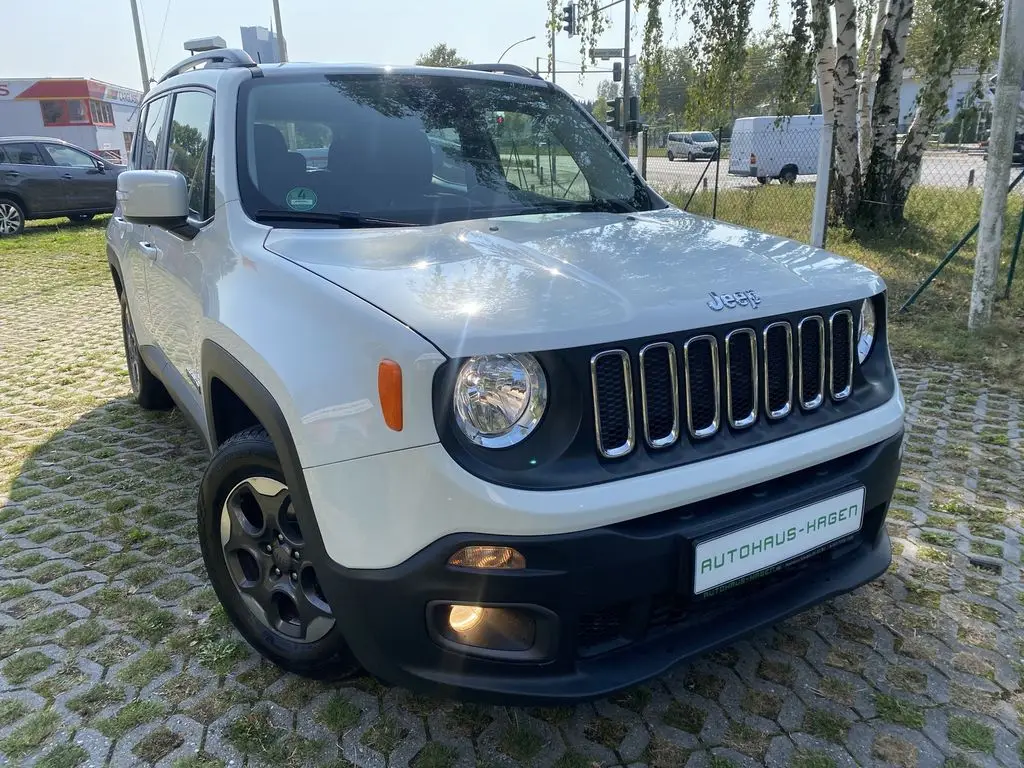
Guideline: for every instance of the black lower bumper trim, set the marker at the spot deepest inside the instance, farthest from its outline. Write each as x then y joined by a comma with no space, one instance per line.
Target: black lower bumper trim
616,599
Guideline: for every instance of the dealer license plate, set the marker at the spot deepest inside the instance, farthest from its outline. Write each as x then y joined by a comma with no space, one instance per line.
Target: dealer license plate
763,546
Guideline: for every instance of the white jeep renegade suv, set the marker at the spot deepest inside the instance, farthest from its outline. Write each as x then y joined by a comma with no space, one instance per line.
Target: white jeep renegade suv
488,416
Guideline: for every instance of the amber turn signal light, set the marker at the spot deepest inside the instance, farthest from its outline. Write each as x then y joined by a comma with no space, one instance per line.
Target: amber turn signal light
504,558
389,387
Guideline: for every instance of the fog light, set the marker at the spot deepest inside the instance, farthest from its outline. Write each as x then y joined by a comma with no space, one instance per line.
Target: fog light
504,558
463,618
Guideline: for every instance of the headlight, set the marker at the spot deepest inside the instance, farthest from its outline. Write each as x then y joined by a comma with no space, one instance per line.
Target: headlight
499,399
866,331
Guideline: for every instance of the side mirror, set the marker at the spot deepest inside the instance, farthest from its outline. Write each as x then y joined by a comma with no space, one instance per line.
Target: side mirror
153,197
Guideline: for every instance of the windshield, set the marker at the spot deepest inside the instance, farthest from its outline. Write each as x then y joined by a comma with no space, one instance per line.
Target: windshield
702,136
422,150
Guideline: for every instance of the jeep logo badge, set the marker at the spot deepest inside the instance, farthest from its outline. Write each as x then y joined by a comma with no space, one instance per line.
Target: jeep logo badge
730,300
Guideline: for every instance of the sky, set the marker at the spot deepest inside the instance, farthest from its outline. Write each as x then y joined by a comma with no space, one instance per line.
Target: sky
59,41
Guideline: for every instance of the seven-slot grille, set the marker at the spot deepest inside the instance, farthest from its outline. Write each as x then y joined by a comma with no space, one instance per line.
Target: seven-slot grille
770,372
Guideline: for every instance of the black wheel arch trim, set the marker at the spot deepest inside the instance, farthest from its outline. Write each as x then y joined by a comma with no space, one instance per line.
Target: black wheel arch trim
218,363
14,197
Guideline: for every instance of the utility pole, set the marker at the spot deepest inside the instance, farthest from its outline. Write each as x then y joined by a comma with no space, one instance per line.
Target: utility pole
1006,104
139,47
282,46
554,64
625,84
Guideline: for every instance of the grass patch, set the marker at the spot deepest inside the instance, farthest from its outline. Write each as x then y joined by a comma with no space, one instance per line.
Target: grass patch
148,666
606,732
63,756
385,735
31,734
157,744
807,758
894,751
469,719
568,759
971,735
938,539
635,699
339,714
660,753
826,725
520,742
986,548
256,735
436,755
899,712
11,710
777,671
130,716
685,717
762,703
86,633
21,668
96,699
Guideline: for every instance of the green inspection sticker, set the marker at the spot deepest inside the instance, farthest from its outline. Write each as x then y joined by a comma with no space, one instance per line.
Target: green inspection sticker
301,199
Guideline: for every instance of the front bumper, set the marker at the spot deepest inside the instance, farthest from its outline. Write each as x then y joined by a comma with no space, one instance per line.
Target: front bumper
611,599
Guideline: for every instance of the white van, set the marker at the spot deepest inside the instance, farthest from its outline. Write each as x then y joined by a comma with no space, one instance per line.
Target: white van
775,147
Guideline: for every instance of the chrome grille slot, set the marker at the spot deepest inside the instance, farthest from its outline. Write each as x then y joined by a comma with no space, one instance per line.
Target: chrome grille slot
741,377
703,406
612,383
841,359
810,333
778,369
659,394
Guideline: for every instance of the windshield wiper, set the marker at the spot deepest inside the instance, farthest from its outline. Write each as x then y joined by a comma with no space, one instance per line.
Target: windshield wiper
343,219
585,206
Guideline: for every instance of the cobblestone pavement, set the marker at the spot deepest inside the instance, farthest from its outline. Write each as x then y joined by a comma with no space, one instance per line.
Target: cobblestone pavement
113,651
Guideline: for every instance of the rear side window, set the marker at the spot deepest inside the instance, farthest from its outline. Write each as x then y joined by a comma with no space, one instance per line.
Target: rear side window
21,154
188,145
150,157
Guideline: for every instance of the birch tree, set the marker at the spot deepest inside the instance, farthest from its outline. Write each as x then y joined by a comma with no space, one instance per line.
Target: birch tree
872,176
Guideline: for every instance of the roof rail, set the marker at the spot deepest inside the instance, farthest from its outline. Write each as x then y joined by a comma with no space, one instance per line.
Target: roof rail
503,69
220,58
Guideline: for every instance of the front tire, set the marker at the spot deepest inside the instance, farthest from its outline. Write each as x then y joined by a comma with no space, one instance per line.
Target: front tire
257,556
671,157
149,391
12,218
691,157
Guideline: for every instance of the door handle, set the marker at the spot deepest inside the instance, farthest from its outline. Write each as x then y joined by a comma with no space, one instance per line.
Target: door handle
149,249
67,176
12,174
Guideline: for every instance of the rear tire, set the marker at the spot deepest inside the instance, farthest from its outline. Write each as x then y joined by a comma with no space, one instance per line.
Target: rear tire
762,179
691,157
788,175
245,508
149,391
12,218
671,157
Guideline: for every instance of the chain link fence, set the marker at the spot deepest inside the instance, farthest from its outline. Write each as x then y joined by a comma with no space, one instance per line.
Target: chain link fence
763,176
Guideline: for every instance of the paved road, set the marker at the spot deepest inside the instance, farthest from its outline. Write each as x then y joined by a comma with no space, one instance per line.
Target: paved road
949,170
113,650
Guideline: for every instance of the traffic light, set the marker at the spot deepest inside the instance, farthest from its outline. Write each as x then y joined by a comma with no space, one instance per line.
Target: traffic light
617,72
569,17
613,114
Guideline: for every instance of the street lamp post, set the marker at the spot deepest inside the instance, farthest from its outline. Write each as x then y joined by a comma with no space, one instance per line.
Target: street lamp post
524,40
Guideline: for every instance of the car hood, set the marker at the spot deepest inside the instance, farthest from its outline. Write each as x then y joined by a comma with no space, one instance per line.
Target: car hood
553,281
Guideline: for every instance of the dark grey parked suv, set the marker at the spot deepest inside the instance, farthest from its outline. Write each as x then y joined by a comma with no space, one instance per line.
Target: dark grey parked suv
41,178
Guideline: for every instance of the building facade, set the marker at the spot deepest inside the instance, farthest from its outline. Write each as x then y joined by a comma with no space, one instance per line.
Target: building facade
96,116
261,44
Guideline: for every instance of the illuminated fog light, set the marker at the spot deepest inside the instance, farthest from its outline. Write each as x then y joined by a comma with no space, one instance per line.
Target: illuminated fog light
504,558
463,618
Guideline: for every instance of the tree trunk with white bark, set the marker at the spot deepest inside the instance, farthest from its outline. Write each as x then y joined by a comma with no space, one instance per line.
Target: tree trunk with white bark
997,174
885,110
824,43
930,109
845,190
866,94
